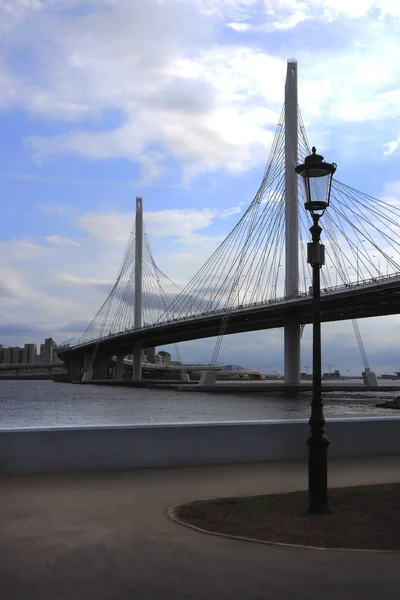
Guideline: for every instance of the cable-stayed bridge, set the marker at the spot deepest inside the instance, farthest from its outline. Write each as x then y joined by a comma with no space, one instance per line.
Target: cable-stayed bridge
258,278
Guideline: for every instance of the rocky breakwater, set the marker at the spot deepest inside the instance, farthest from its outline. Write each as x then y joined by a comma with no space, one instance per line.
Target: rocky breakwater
394,404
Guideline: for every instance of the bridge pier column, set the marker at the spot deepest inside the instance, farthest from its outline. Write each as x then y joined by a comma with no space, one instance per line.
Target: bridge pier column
74,368
292,354
137,363
208,377
87,366
184,376
119,367
101,367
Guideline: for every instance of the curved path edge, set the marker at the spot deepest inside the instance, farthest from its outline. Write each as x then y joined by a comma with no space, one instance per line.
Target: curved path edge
171,513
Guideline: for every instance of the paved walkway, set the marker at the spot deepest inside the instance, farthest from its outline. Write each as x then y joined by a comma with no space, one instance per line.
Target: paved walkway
106,536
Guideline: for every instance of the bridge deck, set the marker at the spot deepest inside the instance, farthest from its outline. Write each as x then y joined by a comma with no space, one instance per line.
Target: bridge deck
376,298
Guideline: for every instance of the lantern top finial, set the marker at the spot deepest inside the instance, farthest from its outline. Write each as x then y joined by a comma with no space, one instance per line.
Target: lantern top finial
314,157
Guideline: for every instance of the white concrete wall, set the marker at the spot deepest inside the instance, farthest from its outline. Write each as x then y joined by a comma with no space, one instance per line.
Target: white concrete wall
100,448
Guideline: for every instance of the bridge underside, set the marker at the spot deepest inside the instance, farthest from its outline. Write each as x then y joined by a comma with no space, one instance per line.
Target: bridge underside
365,301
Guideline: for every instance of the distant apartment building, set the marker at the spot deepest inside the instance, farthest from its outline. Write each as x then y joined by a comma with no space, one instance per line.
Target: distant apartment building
48,351
150,354
16,354
163,358
4,355
28,354
334,375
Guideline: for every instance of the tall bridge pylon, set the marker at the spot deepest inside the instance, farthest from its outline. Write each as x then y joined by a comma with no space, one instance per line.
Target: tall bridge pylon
292,329
141,293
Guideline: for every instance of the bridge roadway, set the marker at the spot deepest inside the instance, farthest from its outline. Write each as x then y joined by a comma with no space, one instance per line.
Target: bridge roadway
376,297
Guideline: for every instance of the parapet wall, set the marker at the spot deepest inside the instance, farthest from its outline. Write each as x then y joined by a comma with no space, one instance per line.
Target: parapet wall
28,451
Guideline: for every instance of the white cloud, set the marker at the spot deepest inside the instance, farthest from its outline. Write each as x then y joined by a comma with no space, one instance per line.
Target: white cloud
56,209
112,226
19,293
211,106
85,281
21,250
289,21
12,284
392,147
173,222
240,27
102,61
61,240
391,195
285,14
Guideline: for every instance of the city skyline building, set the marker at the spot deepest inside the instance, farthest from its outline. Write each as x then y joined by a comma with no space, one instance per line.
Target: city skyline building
28,354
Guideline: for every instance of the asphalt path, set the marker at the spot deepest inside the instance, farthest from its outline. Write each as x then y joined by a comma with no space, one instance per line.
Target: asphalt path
107,536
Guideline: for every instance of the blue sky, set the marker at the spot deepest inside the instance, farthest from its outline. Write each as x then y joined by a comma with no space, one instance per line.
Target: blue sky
176,101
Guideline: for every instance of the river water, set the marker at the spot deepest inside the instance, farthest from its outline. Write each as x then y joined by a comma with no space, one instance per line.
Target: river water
29,404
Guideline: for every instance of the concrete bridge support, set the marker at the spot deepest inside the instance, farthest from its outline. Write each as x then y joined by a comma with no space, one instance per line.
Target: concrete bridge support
369,378
137,363
101,367
87,366
73,365
89,359
292,353
208,377
119,367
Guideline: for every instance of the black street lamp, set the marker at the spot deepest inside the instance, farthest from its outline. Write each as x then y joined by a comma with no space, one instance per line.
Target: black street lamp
316,179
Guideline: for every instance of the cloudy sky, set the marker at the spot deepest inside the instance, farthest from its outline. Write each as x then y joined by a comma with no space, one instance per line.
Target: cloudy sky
176,101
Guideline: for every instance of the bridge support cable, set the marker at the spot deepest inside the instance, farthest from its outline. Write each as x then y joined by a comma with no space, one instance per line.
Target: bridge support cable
368,234
362,234
239,272
235,286
96,328
251,260
161,285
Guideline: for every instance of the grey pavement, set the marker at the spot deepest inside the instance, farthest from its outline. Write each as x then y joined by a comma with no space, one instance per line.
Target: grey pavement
107,536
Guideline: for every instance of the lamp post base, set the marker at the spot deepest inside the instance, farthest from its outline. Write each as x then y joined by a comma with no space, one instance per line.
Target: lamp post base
318,475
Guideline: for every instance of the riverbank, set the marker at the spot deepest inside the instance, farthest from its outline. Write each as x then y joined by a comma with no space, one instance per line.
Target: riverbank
244,386
393,404
27,377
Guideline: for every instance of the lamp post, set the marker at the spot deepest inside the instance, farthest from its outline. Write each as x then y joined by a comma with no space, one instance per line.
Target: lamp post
316,180
379,263
387,265
358,242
